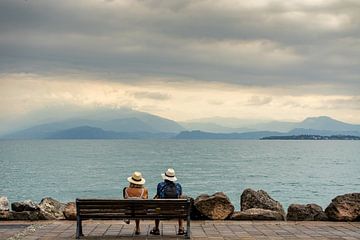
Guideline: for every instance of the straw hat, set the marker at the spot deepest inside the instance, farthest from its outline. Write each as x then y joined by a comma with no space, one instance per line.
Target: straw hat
136,178
169,175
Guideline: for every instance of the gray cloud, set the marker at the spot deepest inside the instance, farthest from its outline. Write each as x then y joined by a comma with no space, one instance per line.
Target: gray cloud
151,95
351,103
278,43
258,101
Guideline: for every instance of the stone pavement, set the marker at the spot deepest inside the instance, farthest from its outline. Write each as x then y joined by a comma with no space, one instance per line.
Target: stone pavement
247,230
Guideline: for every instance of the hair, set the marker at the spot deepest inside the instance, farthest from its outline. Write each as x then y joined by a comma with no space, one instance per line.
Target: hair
133,185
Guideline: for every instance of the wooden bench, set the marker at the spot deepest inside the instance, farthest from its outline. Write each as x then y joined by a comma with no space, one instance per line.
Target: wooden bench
149,209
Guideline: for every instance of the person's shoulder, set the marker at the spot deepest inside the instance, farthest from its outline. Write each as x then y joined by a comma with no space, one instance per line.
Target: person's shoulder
178,184
161,184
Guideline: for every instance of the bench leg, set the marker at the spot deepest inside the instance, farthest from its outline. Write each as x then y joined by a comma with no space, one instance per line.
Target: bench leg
79,231
187,235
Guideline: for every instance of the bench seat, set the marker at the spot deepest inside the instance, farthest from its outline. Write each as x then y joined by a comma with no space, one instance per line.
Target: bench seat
146,209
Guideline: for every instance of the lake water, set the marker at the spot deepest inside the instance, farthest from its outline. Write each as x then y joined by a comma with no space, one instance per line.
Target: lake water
290,171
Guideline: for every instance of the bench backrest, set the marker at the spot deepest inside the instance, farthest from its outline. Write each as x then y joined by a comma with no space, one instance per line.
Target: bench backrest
132,208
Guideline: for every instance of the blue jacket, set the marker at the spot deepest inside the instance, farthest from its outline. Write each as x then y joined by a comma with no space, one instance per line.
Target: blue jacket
161,189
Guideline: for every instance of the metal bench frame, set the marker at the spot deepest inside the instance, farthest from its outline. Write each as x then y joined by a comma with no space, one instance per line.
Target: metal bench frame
149,209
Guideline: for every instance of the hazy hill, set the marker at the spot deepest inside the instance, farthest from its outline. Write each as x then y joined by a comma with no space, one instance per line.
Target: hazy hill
209,135
236,125
212,127
133,124
86,132
116,121
326,123
324,126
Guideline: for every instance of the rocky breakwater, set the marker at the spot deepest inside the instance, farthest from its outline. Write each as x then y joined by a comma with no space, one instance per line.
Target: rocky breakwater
308,212
344,208
216,206
258,205
47,209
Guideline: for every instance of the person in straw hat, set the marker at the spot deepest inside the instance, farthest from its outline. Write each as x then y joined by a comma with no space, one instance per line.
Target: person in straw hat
168,189
135,190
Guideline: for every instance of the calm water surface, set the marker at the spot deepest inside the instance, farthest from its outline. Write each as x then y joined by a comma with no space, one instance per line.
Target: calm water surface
290,171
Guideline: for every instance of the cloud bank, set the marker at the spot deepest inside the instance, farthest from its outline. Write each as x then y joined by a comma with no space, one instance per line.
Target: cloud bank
266,50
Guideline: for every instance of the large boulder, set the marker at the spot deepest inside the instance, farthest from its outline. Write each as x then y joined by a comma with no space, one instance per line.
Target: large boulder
309,212
26,205
259,199
194,213
70,211
4,203
51,208
344,208
257,214
216,206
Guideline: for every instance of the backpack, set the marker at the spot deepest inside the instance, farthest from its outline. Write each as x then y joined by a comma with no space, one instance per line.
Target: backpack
170,191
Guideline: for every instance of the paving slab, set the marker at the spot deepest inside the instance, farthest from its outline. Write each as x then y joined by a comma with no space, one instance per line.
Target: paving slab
244,230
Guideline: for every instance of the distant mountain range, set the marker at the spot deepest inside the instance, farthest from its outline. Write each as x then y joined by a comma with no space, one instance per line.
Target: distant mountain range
225,125
124,122
207,135
86,132
130,124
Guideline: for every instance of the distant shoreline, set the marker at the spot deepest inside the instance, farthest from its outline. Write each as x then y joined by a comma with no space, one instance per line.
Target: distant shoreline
312,137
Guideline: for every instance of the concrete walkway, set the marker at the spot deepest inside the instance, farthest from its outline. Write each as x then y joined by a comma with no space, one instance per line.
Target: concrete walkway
249,230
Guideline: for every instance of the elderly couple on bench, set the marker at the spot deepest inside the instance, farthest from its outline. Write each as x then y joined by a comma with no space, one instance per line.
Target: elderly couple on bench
168,189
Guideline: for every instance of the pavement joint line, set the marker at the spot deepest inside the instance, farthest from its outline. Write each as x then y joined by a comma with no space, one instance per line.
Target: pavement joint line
106,230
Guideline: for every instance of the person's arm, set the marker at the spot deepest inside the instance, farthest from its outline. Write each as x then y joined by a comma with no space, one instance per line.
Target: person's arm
146,194
179,189
158,191
124,192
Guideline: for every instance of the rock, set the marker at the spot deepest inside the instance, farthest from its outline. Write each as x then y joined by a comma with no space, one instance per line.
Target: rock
26,215
344,208
70,211
216,206
4,215
51,208
194,213
257,214
259,199
26,205
4,203
309,212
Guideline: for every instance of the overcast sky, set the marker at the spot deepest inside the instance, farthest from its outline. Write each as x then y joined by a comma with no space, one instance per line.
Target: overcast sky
260,59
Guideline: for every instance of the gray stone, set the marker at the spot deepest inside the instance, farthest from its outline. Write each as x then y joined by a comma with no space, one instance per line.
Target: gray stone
26,205
51,208
259,199
4,203
4,215
70,211
216,206
309,212
257,214
344,208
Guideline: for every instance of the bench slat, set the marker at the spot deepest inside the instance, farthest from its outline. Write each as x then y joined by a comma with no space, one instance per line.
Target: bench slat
161,209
